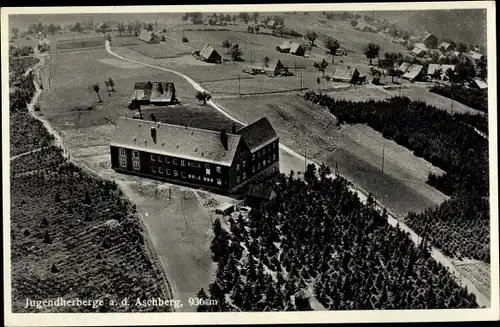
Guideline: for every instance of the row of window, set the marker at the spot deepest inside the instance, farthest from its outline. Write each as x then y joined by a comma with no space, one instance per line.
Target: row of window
263,151
159,158
260,165
183,174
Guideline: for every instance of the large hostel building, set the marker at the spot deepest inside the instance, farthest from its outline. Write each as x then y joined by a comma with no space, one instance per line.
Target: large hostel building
192,156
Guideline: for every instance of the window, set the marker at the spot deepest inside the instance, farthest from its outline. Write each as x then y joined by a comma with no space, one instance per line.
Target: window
160,170
244,175
219,181
174,161
207,166
167,159
176,173
253,169
253,157
204,179
199,165
183,162
238,167
218,169
153,169
136,165
274,145
199,178
258,165
123,162
136,154
207,171
168,171
152,157
123,152
264,162
159,158
274,156
183,174
244,163
237,179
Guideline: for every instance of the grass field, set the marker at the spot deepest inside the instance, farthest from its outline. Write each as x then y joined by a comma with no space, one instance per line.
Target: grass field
357,150
80,44
158,51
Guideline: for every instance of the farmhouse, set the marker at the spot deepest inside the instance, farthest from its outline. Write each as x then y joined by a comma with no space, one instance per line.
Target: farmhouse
154,93
284,47
272,68
445,46
347,75
413,73
431,70
103,28
271,24
430,40
209,54
479,83
149,37
475,55
217,160
297,49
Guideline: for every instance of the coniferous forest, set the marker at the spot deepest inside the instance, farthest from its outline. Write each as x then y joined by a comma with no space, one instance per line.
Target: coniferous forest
316,240
449,143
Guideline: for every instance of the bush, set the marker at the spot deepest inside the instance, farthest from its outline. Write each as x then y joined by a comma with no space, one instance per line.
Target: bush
185,39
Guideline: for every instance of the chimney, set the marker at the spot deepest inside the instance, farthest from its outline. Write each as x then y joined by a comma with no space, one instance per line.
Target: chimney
153,134
223,139
233,130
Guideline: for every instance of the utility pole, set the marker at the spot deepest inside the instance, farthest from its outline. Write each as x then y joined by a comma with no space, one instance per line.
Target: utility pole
305,162
337,173
300,82
239,86
383,157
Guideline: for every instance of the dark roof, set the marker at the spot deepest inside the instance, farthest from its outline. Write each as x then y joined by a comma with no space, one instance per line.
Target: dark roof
142,91
294,47
258,134
147,36
345,73
260,191
174,140
208,51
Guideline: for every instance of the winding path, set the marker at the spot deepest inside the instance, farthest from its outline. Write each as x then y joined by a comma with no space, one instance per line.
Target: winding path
392,219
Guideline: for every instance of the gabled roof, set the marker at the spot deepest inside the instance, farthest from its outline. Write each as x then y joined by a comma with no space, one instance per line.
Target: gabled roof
258,134
444,45
272,22
174,140
420,46
272,64
345,73
427,35
146,36
101,26
294,47
260,192
418,51
285,45
475,55
413,71
207,51
480,83
432,68
404,67
143,91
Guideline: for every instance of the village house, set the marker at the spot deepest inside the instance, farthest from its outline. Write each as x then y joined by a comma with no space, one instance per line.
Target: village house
430,40
348,74
446,46
149,37
153,93
103,28
209,54
258,194
478,83
294,48
431,71
271,24
273,67
218,160
413,72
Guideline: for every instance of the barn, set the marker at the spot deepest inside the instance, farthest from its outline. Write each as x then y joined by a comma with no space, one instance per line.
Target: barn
153,93
149,37
195,157
209,54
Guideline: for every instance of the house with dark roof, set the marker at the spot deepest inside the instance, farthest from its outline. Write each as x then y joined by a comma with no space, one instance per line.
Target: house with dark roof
284,47
346,74
149,37
258,194
153,93
430,40
218,160
209,54
271,24
273,67
291,47
103,28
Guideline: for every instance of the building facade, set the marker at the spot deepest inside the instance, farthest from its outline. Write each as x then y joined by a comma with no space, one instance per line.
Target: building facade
195,157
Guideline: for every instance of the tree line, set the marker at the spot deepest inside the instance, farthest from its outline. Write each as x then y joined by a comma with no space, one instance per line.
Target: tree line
474,98
315,241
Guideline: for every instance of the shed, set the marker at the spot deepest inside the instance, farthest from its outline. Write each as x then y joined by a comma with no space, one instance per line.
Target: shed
209,54
225,209
257,194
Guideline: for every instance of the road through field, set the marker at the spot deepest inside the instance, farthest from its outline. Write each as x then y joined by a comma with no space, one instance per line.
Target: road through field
436,254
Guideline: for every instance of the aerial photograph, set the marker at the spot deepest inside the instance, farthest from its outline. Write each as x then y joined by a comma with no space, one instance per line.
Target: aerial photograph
249,161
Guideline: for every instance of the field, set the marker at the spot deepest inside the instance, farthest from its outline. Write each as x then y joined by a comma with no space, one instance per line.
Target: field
479,273
158,51
356,149
72,45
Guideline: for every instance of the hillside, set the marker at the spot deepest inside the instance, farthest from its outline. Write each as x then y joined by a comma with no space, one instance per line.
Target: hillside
468,26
